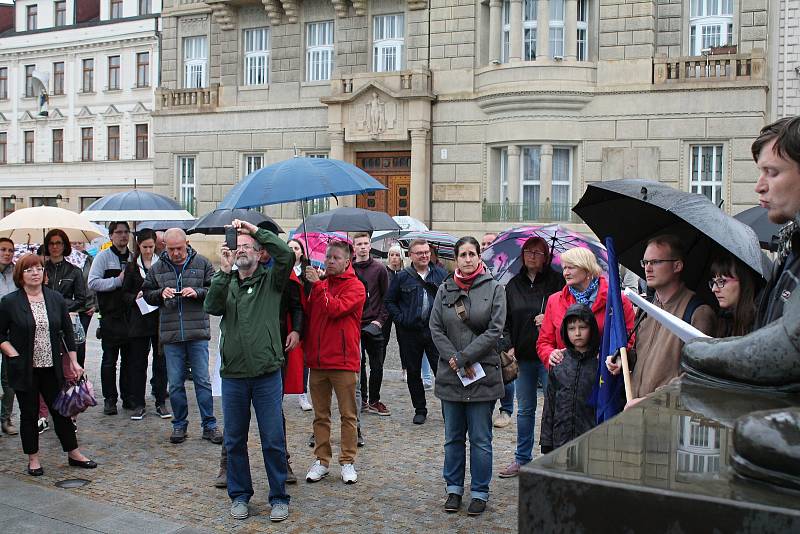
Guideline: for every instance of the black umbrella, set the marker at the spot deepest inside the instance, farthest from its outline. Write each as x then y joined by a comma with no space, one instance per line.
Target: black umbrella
766,230
633,211
350,220
164,225
214,223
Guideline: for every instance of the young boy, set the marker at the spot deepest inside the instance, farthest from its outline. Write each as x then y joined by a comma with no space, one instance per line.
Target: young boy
567,414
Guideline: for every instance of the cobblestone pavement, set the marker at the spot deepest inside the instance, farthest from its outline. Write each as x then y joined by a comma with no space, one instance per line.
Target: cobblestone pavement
399,489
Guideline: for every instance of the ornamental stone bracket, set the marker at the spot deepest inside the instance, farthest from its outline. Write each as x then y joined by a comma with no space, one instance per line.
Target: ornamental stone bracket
278,9
222,13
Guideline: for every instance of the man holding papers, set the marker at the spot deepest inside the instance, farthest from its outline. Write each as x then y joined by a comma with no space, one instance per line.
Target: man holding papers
467,320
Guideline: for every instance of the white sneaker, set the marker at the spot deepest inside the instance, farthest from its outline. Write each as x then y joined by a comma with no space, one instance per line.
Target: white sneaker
349,475
304,404
317,472
502,420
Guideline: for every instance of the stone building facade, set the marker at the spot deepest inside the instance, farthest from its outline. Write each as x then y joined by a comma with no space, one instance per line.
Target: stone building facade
99,60
476,115
786,74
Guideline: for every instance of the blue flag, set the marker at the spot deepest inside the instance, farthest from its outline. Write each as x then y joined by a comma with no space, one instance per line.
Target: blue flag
608,393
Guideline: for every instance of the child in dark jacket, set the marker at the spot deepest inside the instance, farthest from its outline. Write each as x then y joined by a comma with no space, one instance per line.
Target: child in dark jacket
567,413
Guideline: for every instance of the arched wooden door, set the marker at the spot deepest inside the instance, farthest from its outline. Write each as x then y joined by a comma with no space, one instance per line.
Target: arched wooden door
392,169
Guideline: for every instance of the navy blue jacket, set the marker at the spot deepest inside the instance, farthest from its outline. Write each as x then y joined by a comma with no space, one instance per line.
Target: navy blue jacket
404,298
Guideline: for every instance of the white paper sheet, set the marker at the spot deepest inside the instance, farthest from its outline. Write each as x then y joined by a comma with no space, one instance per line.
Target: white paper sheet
144,307
477,369
216,380
684,331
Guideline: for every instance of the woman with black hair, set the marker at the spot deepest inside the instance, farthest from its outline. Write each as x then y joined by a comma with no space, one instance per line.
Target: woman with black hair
298,276
735,288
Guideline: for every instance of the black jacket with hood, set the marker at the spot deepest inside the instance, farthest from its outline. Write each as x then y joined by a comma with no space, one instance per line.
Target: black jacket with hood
567,413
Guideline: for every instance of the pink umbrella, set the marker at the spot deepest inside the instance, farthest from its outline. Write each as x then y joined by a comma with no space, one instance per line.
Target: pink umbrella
316,243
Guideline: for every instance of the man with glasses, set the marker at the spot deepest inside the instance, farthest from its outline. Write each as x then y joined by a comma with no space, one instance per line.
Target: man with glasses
105,279
658,351
6,287
409,302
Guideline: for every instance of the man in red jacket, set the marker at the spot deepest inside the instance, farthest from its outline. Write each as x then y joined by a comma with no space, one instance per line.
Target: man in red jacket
333,355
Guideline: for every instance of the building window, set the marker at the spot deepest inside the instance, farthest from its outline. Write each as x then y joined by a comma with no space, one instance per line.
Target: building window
8,205
317,205
113,72
505,43
28,138
3,83
87,82
710,24
253,162
113,143
256,56
87,144
143,69
44,201
529,15
58,146
87,201
29,79
141,141
705,171
319,51
195,59
186,181
116,9
144,7
387,42
3,148
583,30
61,13
556,28
31,17
58,78
562,180
530,175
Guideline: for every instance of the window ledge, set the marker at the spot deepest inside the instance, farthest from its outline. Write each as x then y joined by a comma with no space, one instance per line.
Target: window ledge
261,87
139,87
115,90
86,93
315,83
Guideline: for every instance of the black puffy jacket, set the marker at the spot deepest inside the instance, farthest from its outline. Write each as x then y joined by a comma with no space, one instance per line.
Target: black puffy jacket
567,413
524,301
67,280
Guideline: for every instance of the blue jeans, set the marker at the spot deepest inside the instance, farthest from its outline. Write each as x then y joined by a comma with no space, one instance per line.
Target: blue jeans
507,402
530,373
475,419
196,352
264,393
427,374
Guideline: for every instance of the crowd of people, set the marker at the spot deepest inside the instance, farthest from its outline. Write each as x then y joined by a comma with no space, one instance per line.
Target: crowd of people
275,307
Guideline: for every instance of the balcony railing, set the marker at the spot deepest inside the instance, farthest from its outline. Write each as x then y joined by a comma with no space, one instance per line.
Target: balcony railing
711,68
522,212
200,99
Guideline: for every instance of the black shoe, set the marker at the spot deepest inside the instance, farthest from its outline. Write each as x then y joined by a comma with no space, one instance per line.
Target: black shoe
88,464
178,435
360,441
110,407
419,418
39,471
128,405
476,507
163,412
291,478
213,435
311,441
765,447
138,414
453,503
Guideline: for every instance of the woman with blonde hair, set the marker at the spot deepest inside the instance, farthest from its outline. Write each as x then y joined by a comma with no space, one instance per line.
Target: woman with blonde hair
585,285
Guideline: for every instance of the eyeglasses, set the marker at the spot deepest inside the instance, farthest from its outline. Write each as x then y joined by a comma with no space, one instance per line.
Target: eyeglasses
425,253
721,281
534,253
245,246
33,270
654,263
51,243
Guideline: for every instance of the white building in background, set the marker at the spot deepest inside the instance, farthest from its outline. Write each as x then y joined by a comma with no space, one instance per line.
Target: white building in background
102,58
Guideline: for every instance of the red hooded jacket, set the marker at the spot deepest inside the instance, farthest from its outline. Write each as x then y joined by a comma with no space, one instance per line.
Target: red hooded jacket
333,337
557,305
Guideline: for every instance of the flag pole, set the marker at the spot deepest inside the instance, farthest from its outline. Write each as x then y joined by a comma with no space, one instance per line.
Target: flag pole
626,374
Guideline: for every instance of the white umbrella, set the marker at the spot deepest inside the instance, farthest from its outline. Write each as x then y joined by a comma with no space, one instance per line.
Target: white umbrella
31,224
136,205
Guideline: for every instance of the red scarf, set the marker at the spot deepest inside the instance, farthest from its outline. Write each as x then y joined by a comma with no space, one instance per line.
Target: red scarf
465,282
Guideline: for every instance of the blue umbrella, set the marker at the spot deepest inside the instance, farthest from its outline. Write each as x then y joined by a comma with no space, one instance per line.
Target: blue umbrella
299,179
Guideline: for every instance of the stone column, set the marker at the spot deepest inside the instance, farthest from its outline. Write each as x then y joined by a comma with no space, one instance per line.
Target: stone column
545,180
337,152
571,30
512,178
515,34
543,29
420,180
495,27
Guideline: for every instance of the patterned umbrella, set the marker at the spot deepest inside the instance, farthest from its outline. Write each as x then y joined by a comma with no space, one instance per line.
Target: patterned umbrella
504,256
317,243
443,242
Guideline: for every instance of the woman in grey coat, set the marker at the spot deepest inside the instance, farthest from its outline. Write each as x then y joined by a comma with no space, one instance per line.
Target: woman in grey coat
466,323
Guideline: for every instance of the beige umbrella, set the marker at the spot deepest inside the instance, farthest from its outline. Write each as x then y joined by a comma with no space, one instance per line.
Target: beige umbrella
29,225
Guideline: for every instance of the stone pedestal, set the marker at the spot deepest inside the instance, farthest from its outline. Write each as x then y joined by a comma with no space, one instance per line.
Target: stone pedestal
659,467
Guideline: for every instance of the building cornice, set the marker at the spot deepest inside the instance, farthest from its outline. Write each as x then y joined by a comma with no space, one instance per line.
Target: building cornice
77,47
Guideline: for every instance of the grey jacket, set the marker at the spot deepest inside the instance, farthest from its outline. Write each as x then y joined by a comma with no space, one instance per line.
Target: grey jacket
181,318
486,314
7,280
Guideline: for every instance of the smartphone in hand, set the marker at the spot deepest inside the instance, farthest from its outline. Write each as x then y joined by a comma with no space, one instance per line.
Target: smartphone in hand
230,238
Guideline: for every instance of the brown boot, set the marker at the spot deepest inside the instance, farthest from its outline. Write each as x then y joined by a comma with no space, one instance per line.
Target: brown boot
290,476
9,428
222,477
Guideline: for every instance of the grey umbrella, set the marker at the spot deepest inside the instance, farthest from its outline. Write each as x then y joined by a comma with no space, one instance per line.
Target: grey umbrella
633,211
350,220
766,230
214,223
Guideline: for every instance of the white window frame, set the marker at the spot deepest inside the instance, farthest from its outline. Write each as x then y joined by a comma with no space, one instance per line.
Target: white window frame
195,61
529,24
319,50
505,31
583,31
524,180
559,183
318,205
388,40
705,17
716,181
503,174
252,162
256,56
556,29
187,180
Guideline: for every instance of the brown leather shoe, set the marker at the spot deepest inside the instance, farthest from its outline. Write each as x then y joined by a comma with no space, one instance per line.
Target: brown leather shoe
511,471
9,428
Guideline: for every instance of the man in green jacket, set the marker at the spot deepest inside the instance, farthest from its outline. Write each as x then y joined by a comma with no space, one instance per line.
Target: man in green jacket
252,355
